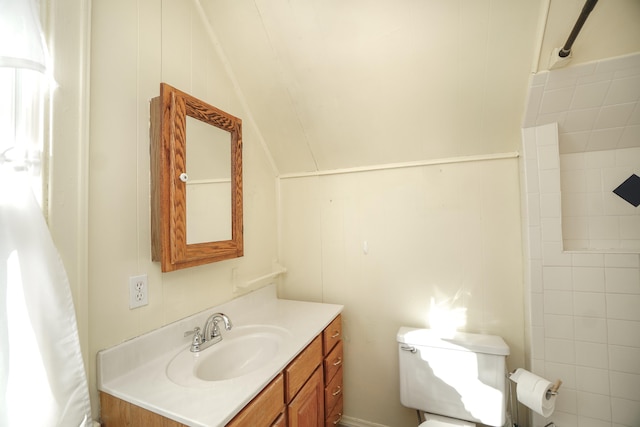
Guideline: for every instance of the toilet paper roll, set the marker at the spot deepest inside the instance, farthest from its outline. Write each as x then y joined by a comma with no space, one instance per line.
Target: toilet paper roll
531,391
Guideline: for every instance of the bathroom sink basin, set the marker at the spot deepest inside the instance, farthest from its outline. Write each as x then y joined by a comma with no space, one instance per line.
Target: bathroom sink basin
242,351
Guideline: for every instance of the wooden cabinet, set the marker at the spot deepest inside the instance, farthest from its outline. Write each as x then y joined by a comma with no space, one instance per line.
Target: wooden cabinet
332,365
210,236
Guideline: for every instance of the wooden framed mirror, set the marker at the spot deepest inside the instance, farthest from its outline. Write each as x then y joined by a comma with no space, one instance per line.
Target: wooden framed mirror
196,181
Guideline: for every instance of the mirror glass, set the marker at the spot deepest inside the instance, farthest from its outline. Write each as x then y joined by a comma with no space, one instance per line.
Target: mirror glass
208,187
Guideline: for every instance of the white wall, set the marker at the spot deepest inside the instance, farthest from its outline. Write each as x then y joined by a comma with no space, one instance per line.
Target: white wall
389,243
135,46
582,318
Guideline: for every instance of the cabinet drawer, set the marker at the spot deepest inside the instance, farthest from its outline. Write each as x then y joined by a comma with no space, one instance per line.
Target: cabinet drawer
264,408
298,371
333,362
333,392
335,416
332,334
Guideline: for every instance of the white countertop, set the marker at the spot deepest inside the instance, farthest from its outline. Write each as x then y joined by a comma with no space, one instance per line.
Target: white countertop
135,371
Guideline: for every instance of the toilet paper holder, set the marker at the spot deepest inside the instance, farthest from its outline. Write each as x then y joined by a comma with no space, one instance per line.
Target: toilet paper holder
553,390
550,393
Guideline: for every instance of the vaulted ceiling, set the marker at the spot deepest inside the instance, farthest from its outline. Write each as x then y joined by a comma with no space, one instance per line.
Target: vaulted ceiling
347,83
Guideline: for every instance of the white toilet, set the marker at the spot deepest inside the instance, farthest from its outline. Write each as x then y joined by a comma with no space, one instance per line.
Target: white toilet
455,381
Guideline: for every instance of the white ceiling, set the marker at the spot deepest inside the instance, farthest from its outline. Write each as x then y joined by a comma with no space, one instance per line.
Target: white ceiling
346,83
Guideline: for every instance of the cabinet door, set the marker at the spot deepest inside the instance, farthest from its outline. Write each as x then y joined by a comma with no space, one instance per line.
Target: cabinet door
307,409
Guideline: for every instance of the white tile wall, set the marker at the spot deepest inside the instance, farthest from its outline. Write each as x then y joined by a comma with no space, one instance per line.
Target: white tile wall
590,329
624,384
590,304
623,307
593,217
588,279
585,306
589,354
624,332
625,412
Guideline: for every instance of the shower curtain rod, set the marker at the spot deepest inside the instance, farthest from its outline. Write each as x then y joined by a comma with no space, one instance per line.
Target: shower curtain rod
586,10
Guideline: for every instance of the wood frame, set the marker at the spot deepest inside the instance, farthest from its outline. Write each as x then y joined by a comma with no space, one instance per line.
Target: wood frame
168,150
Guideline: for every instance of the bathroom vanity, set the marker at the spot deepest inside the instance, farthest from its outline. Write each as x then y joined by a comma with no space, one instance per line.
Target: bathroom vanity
291,377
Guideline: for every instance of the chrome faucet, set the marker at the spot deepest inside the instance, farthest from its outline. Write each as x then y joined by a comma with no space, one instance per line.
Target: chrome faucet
211,333
211,330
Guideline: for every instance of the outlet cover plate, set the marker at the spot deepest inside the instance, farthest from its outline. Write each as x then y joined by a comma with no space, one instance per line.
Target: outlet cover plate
138,291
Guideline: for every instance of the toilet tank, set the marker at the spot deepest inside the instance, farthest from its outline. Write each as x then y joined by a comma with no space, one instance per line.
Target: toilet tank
462,376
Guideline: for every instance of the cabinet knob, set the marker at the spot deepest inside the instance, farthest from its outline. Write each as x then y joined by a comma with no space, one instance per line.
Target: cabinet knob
184,177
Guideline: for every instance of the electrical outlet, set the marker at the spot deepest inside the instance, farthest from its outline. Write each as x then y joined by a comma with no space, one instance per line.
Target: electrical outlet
138,291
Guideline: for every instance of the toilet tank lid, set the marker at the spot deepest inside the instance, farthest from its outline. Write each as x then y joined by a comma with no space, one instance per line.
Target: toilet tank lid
462,341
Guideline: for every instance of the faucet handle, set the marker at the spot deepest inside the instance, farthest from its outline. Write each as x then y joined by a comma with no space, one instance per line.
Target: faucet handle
197,336
193,331
215,330
197,339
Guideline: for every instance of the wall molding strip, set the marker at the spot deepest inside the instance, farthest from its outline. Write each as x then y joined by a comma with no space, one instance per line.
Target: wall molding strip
449,160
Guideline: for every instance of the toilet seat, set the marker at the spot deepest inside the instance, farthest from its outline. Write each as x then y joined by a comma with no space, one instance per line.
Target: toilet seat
440,421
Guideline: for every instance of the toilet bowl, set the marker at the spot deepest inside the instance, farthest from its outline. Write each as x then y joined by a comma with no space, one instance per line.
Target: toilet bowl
432,420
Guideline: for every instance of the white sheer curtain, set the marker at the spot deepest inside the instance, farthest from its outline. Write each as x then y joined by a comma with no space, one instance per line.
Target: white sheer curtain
21,39
42,375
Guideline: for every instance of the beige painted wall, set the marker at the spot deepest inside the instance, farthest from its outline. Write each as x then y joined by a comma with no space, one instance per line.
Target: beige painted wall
65,23
356,83
447,234
135,46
